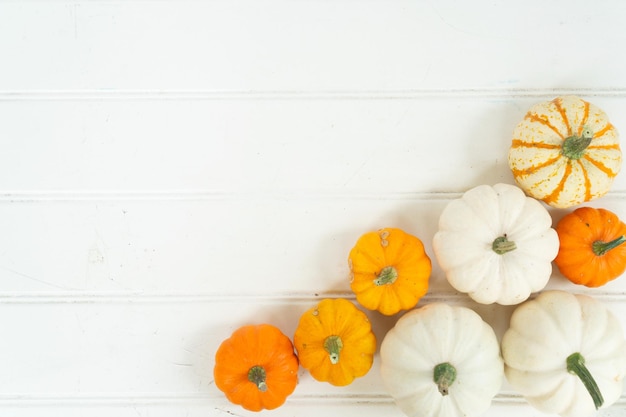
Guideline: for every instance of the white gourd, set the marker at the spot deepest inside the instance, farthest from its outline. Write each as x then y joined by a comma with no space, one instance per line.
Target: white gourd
565,353
441,361
496,244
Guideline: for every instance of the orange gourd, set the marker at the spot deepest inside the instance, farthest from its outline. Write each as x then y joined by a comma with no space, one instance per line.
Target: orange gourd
592,250
565,152
335,342
256,367
389,270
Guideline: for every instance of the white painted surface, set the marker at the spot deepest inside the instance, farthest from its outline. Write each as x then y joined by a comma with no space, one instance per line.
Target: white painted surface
171,170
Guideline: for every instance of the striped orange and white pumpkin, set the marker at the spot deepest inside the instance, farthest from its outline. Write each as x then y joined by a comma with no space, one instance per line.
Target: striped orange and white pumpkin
565,152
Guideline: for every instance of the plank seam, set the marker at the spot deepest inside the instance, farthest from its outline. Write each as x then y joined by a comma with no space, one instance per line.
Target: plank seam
63,297
10,196
199,195
209,95
30,400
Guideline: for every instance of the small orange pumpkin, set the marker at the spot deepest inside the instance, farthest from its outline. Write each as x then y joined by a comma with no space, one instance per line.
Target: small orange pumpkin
389,270
335,342
591,250
256,367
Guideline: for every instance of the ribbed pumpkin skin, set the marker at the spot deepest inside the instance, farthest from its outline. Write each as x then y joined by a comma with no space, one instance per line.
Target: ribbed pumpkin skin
256,345
335,318
578,231
471,225
543,332
544,170
389,248
440,333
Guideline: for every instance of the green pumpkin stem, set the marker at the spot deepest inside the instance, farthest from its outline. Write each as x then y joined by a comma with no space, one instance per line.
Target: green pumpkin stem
444,375
600,248
502,245
576,366
333,346
387,275
574,147
257,375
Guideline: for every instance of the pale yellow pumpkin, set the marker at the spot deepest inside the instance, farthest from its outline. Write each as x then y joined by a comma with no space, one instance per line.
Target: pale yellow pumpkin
565,152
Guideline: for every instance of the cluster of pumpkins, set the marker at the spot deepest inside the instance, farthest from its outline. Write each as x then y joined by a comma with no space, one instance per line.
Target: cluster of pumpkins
565,353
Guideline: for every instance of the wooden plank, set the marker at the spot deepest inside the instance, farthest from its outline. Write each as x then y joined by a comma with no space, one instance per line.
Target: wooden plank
315,45
98,355
212,247
299,147
215,247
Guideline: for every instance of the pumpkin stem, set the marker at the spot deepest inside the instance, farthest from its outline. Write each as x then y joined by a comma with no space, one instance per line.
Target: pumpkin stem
576,365
600,248
502,245
333,346
574,146
257,375
444,375
387,275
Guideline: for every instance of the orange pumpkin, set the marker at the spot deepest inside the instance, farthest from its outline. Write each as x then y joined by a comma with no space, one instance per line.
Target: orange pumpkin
256,367
591,250
335,342
565,152
389,270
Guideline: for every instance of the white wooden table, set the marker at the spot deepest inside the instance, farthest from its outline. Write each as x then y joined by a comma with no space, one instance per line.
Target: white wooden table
171,170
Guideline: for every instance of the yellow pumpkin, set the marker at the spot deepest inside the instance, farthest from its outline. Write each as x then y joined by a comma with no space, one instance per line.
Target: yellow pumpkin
389,270
335,342
565,152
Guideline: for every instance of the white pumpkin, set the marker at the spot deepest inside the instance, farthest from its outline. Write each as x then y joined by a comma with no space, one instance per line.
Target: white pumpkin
441,361
496,244
565,353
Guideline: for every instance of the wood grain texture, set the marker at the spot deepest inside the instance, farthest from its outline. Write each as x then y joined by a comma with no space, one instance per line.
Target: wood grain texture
171,170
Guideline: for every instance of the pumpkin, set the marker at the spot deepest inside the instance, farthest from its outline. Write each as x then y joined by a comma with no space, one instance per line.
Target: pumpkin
389,270
565,152
256,367
441,360
496,244
591,250
335,342
565,353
